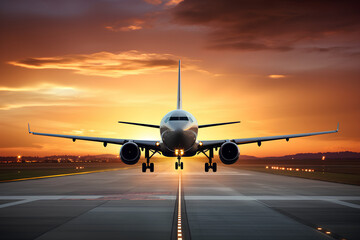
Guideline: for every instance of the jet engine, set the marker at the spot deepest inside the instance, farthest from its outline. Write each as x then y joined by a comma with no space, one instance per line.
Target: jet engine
130,153
229,153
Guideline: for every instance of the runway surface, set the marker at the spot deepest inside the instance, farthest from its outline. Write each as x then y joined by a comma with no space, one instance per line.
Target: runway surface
230,204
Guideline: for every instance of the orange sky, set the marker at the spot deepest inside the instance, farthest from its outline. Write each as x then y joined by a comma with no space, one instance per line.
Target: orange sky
77,67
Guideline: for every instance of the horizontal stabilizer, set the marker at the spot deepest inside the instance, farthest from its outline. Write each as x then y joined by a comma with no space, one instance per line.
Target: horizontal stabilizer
217,124
140,124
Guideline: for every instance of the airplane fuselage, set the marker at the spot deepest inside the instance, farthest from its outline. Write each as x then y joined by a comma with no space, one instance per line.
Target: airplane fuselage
178,130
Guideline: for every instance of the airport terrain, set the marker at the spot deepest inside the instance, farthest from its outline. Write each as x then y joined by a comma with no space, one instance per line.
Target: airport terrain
230,204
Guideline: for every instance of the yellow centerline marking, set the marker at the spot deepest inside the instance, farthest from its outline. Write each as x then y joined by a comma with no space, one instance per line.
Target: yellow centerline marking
61,175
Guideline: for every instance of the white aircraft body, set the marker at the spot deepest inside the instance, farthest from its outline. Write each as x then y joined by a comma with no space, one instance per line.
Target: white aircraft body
178,131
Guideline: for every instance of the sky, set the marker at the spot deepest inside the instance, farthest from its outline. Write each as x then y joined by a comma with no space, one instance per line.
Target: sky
79,66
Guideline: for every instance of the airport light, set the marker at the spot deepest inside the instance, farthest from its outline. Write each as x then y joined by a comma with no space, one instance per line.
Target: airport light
200,144
157,144
328,232
290,169
323,158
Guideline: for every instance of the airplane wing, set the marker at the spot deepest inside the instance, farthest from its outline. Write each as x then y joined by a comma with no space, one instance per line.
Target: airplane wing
258,140
140,124
152,144
216,124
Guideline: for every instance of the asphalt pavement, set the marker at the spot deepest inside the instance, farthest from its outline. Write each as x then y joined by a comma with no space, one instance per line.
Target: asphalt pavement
229,204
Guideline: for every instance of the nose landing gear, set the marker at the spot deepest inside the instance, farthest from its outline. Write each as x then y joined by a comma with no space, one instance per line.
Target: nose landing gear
210,164
179,164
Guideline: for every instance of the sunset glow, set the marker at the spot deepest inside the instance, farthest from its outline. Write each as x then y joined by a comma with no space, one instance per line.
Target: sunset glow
78,67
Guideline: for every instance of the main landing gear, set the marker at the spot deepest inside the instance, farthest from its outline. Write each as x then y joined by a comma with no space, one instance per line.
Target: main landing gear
179,164
148,165
210,164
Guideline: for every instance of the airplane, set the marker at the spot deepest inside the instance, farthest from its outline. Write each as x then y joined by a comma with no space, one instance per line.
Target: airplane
178,131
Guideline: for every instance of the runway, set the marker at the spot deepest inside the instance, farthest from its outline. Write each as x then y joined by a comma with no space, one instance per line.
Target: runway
230,204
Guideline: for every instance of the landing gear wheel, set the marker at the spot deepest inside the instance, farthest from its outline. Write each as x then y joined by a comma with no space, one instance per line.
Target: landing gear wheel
181,165
214,167
176,165
151,167
206,167
210,164
144,167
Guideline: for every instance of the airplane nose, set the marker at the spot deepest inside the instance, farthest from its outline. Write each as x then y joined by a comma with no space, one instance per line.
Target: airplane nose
178,130
179,134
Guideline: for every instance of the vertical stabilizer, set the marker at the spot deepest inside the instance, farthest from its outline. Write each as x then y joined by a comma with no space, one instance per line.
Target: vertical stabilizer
179,98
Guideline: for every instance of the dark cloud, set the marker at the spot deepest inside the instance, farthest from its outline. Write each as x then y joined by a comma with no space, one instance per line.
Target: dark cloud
70,25
106,63
269,25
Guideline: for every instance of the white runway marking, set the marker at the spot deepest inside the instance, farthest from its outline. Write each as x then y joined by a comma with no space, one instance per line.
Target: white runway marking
334,199
52,197
273,198
352,205
15,203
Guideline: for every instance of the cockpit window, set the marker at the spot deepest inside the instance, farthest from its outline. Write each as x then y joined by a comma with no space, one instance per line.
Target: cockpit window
167,119
179,119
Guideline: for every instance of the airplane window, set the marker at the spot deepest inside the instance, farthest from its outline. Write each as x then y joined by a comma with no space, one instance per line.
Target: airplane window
179,119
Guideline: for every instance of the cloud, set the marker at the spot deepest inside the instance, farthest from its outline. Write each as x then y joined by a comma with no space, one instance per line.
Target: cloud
132,24
173,2
108,64
38,96
126,28
44,89
270,25
276,76
166,2
154,2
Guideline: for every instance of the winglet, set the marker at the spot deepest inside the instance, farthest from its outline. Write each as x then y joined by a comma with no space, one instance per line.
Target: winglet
337,129
29,129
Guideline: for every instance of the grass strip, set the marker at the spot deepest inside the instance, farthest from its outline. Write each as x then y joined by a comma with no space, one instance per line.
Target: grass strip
30,174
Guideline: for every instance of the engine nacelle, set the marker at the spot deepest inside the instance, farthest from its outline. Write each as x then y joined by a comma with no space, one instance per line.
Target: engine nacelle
130,153
229,153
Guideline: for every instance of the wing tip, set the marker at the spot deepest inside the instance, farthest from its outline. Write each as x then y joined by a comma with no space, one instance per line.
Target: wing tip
337,129
29,128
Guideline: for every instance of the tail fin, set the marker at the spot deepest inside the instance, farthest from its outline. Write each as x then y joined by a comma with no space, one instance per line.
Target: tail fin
179,97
